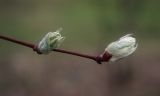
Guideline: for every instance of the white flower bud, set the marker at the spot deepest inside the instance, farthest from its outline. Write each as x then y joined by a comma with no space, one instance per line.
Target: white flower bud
121,48
50,41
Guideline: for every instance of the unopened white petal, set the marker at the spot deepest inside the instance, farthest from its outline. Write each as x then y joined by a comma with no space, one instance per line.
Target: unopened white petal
123,47
50,41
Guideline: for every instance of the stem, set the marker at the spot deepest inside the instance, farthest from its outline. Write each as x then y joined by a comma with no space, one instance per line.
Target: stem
30,45
75,53
98,59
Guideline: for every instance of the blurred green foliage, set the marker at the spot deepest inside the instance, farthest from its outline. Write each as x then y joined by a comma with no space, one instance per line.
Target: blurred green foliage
94,20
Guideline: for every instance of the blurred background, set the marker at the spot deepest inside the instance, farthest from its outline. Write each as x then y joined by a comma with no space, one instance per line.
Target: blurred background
89,26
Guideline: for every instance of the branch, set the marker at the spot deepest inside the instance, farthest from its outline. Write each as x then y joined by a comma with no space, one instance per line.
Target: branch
99,59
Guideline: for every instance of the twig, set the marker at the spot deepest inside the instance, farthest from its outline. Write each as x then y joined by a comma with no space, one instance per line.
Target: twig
99,59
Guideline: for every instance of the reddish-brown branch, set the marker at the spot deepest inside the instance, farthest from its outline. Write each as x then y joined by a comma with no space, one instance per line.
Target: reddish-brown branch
101,58
75,53
17,41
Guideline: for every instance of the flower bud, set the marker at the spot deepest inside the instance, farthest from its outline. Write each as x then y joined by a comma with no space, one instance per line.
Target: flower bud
121,48
50,41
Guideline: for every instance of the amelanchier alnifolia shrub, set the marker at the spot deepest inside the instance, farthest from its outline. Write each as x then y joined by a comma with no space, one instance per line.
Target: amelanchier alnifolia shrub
121,48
